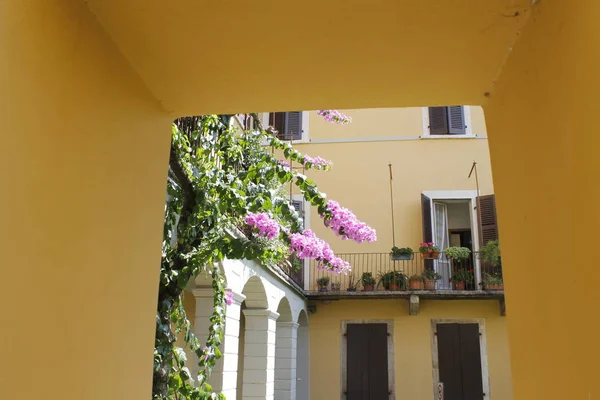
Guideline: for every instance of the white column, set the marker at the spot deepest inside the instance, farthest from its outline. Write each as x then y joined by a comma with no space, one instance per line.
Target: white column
224,375
285,360
259,354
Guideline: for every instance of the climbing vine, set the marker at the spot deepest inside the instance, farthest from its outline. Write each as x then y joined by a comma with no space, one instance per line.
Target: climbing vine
225,200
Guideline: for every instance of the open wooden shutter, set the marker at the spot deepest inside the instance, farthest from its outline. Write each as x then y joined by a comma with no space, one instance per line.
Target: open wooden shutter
488,221
427,225
277,121
456,120
294,125
438,120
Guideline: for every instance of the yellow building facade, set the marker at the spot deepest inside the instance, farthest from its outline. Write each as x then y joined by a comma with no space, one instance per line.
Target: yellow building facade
85,82
423,161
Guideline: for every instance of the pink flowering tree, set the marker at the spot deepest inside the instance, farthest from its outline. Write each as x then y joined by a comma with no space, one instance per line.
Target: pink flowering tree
225,200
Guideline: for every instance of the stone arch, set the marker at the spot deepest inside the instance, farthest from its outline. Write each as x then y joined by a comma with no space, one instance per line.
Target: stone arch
302,319
284,310
256,294
204,278
303,357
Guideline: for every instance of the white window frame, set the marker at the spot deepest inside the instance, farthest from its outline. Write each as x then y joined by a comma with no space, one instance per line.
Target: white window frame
306,261
468,130
471,195
344,354
305,126
485,375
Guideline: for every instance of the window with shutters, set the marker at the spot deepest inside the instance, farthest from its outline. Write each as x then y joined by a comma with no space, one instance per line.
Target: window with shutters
291,125
448,121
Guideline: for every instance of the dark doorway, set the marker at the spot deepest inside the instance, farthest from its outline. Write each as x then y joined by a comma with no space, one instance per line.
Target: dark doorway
367,362
459,361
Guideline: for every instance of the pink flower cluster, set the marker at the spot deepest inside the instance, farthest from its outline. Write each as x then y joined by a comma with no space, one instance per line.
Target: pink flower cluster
344,223
318,162
228,297
334,116
267,226
308,245
284,163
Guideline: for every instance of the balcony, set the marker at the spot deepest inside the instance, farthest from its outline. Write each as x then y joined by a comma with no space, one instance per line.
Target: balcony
408,279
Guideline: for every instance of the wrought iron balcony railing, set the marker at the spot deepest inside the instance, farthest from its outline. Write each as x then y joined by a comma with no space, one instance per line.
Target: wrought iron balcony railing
380,272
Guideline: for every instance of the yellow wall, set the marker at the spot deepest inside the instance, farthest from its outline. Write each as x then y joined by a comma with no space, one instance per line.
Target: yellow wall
83,154
359,178
544,150
412,344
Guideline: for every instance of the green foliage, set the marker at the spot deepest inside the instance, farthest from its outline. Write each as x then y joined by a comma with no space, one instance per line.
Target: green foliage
393,277
323,282
367,279
430,275
416,278
404,251
457,253
462,275
490,253
492,279
217,174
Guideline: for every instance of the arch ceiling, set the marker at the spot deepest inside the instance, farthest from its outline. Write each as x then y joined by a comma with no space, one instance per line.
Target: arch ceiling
338,54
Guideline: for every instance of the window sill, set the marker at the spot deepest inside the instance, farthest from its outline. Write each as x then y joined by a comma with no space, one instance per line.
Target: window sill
451,137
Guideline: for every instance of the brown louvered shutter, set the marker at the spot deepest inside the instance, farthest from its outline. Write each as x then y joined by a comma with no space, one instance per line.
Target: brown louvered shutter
438,120
470,360
488,221
294,125
427,225
456,120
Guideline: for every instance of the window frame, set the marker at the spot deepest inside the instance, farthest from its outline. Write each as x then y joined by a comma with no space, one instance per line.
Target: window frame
468,127
305,126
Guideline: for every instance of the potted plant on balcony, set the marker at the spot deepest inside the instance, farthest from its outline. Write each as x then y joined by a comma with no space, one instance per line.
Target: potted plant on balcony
351,284
404,253
429,278
429,250
492,282
460,277
490,253
368,282
335,286
393,280
457,254
323,283
416,282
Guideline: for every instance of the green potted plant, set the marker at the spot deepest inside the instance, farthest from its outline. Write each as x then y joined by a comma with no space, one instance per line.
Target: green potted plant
323,283
460,277
393,280
351,284
429,250
368,282
404,253
429,278
415,282
493,282
490,253
457,254
335,286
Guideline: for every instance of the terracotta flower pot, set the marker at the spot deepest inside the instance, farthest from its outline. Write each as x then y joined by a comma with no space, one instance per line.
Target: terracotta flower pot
368,288
430,256
393,286
429,284
460,285
494,287
416,285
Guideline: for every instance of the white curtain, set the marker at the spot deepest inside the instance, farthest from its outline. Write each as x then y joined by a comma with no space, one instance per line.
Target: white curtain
441,239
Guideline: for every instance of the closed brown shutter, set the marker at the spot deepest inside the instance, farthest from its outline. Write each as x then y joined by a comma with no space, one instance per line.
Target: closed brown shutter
488,221
438,120
277,121
456,120
367,362
449,363
470,360
427,225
